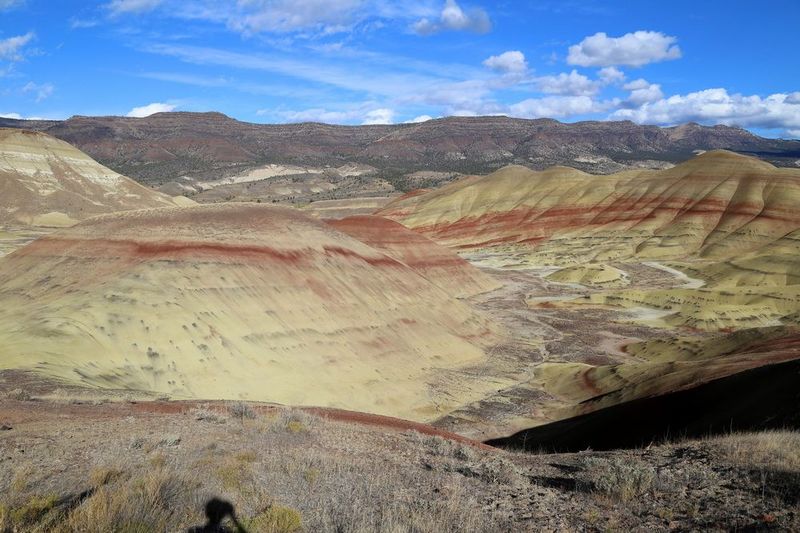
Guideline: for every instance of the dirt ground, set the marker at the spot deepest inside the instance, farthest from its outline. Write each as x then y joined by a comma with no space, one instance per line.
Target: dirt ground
544,333
91,465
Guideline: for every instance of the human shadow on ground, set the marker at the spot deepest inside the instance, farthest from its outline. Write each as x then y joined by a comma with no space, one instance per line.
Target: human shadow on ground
216,511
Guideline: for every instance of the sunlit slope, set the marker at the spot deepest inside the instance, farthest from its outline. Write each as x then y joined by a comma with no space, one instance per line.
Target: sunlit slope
439,265
238,301
727,220
716,206
48,182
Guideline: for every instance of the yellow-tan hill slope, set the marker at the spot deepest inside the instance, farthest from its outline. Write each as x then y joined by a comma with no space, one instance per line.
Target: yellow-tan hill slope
715,206
48,182
239,301
439,265
729,221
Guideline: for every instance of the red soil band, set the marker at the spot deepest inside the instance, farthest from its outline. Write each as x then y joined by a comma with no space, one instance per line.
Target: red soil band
110,248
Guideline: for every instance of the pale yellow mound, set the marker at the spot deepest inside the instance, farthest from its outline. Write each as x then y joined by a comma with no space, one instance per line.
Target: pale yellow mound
598,275
345,207
239,301
47,182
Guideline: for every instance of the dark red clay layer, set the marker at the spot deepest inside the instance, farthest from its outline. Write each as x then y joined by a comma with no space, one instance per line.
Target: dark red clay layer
129,249
517,225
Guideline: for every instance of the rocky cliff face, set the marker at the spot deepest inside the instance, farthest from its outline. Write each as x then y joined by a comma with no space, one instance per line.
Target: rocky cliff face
166,146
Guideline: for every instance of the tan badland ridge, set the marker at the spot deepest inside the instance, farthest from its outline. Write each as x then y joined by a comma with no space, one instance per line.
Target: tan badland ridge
239,301
48,182
727,220
717,205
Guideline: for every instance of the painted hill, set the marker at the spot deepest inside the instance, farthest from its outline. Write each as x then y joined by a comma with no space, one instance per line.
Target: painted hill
238,301
715,206
439,265
167,146
47,182
727,220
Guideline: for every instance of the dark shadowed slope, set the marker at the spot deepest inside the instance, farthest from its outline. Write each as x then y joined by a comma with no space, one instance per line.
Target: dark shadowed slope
762,398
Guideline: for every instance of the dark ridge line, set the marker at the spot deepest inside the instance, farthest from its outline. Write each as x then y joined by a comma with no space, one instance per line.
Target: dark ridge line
763,398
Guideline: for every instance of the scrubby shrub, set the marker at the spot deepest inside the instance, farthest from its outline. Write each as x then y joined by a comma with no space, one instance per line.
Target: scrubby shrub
294,421
18,394
241,411
275,519
149,502
204,414
28,514
622,479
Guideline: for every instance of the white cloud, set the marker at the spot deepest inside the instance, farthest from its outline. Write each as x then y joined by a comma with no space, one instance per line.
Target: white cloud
42,91
453,17
17,116
310,115
79,24
350,75
8,4
11,48
570,84
795,134
717,106
149,109
122,7
512,61
364,113
557,106
642,92
379,116
293,15
611,75
419,119
632,49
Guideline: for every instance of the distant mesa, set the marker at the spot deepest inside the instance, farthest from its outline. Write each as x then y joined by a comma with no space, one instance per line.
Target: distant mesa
166,147
246,301
47,182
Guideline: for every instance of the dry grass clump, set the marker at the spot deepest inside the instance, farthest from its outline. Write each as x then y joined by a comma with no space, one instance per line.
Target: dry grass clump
275,519
294,421
206,414
241,411
766,449
440,446
620,478
29,515
19,395
156,500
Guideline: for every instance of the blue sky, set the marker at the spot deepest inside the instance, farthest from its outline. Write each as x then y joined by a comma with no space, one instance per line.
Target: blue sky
384,61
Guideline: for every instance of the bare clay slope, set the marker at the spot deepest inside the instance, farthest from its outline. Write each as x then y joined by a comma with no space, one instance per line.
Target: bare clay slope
238,301
47,182
437,264
714,206
728,220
